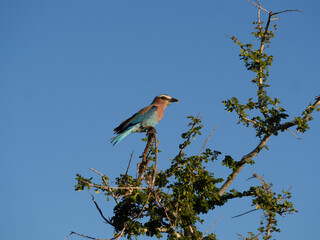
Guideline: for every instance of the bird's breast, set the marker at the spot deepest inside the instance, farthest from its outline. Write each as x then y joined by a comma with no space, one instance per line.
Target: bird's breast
160,112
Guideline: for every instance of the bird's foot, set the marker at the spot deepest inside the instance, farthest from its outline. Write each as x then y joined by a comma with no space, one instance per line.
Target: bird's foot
151,130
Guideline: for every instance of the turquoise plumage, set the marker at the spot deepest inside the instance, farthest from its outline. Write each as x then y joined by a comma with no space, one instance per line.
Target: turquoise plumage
146,117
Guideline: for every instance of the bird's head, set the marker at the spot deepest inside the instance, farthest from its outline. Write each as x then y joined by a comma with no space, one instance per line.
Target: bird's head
164,99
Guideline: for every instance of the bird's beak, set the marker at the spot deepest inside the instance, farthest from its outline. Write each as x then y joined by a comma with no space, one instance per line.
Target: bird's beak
174,100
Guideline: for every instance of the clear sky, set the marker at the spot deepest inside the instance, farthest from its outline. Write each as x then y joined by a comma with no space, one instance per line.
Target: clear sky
71,71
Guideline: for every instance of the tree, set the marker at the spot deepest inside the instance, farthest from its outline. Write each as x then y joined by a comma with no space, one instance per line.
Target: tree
170,203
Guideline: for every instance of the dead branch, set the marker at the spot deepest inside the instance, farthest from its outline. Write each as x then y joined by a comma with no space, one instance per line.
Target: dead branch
258,6
210,228
129,164
250,211
99,209
85,236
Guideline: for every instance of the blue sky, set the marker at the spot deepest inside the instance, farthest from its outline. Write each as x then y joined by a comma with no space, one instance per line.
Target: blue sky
72,70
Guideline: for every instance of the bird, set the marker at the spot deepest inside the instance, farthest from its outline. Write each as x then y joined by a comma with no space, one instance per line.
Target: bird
144,119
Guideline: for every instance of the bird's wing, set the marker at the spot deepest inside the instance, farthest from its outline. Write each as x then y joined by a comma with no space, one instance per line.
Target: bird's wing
143,114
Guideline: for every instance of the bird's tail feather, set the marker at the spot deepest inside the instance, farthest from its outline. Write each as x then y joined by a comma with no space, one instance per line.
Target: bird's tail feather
115,140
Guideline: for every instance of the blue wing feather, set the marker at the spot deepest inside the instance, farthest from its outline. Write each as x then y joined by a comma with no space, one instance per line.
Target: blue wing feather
146,117
137,123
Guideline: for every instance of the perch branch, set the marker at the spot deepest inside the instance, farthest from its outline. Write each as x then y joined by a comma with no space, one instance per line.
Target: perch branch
144,163
155,170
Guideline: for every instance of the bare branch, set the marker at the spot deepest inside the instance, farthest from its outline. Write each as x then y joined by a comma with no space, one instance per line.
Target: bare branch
85,236
258,6
129,163
290,10
130,188
99,209
244,118
206,142
237,42
245,213
210,228
294,134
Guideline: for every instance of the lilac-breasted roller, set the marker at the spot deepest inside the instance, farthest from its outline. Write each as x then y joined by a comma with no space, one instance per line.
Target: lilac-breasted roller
146,117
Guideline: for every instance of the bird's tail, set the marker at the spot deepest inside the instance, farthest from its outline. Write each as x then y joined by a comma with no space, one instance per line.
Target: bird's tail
115,140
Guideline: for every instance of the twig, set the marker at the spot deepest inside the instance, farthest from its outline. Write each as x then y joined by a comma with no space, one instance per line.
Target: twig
129,163
130,188
258,6
244,118
294,134
210,228
253,238
144,206
101,214
107,185
81,235
245,213
290,10
206,142
237,42
193,125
